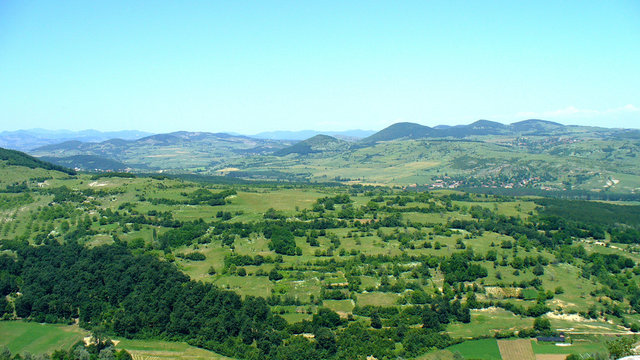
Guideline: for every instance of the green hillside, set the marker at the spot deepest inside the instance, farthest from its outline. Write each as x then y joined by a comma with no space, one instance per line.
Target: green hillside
13,157
315,144
87,162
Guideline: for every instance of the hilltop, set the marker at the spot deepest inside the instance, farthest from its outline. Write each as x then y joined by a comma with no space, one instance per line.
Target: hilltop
315,144
531,127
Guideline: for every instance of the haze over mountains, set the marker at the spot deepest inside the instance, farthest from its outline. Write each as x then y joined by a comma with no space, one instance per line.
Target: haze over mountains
25,140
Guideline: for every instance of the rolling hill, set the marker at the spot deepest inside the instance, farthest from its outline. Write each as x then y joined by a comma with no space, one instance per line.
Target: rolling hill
14,157
87,163
531,127
316,144
179,151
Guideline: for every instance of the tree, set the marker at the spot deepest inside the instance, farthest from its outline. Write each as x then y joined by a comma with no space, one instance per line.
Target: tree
298,348
274,275
80,353
622,346
326,340
542,324
5,353
538,270
326,318
376,323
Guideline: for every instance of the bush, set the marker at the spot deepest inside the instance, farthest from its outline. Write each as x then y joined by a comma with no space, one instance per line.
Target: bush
274,275
195,256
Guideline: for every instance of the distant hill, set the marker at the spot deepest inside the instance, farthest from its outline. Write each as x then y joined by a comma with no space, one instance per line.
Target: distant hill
531,127
306,134
402,130
14,157
87,163
535,125
24,140
181,150
315,144
483,153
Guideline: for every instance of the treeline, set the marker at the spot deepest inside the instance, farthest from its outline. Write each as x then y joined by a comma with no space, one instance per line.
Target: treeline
591,212
564,194
198,197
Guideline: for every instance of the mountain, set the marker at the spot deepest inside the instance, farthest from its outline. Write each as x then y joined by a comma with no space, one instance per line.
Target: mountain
484,153
531,127
406,130
402,130
478,128
315,144
33,138
14,157
306,134
182,150
535,125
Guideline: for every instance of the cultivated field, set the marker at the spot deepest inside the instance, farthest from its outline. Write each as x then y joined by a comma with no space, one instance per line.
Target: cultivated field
516,349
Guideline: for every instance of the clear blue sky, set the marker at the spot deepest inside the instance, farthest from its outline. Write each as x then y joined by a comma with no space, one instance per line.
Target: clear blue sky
251,66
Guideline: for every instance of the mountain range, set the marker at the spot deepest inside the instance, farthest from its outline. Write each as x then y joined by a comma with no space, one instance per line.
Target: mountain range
25,140
349,135
494,154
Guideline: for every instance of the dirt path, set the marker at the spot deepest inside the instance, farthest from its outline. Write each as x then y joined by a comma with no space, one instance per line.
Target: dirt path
551,356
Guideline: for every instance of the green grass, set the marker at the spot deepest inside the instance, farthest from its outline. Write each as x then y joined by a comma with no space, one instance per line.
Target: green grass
35,338
344,306
378,299
578,346
156,349
486,322
485,349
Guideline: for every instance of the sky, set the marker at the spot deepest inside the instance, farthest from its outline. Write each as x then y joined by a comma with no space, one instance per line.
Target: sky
252,66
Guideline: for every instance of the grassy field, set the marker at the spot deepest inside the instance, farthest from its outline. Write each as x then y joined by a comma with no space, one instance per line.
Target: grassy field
578,346
153,349
485,322
485,349
37,338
